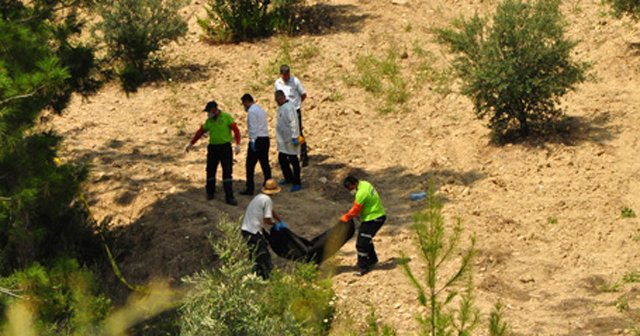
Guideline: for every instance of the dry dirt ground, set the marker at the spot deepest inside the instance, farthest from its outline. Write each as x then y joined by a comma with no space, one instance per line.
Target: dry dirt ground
547,216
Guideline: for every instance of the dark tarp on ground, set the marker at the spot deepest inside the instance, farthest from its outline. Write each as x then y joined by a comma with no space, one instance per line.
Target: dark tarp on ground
286,244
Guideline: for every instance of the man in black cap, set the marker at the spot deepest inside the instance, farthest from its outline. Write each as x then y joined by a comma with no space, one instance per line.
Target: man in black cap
219,125
258,142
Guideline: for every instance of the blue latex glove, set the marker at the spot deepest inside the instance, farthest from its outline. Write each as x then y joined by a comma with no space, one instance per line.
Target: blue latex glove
280,225
295,141
252,144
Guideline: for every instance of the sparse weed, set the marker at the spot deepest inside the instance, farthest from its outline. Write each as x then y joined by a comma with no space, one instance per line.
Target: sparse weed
627,212
610,287
576,8
552,220
309,51
622,303
335,96
440,80
374,328
284,54
381,76
180,128
631,277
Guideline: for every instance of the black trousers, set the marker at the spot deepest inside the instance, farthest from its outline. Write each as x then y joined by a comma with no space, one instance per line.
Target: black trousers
220,154
260,154
364,244
287,162
259,249
303,147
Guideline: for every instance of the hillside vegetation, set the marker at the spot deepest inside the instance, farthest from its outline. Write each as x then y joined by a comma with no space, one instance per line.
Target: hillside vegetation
556,239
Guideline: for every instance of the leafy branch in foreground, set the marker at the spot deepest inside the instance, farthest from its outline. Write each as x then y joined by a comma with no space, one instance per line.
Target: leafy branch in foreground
231,300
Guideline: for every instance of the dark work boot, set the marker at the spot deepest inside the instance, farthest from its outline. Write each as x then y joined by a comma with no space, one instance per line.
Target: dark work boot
228,192
247,192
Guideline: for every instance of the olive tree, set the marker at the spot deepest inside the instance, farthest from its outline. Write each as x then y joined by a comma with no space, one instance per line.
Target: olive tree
516,67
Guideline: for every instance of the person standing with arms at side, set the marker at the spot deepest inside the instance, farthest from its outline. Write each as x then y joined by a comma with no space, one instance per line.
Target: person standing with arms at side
219,125
260,213
368,206
287,132
258,142
295,92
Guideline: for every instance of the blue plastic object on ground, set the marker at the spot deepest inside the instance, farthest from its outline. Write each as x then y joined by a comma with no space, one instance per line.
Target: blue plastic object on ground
416,196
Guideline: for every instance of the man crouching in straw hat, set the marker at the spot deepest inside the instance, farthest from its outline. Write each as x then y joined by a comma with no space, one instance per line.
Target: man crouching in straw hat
259,214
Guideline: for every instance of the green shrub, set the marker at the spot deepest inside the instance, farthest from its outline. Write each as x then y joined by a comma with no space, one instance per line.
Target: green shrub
63,298
134,30
231,300
516,68
241,20
626,7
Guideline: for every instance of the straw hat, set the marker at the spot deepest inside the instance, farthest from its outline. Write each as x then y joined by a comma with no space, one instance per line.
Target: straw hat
271,187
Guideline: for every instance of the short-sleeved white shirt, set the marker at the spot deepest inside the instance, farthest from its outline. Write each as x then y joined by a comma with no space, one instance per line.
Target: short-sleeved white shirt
259,208
293,89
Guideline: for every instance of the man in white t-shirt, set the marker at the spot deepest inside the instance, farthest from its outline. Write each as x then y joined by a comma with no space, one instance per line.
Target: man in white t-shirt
296,94
258,215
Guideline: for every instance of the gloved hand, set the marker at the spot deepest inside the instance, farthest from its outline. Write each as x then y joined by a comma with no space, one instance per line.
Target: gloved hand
295,141
237,149
279,225
252,145
344,219
188,147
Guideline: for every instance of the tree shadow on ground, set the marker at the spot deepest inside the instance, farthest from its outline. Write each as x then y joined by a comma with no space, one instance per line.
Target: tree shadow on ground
324,19
113,162
571,131
575,131
169,240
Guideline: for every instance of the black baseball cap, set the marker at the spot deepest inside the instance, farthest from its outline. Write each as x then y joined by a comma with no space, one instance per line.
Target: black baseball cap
210,105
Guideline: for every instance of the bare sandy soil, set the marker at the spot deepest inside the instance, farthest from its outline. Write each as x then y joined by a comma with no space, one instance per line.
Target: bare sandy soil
547,216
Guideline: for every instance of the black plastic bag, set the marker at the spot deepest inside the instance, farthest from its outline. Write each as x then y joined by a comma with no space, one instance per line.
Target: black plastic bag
286,244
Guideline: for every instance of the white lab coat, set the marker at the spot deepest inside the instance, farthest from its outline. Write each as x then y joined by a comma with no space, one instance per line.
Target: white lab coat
287,128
